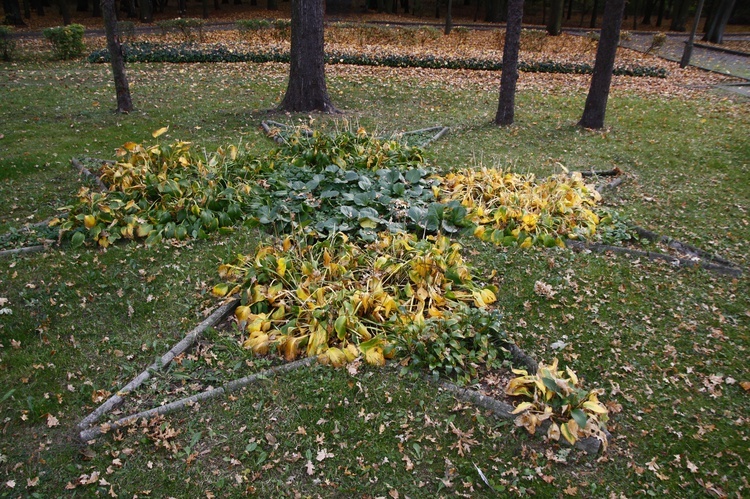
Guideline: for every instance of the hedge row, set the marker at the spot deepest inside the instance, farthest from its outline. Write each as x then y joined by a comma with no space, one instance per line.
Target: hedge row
148,52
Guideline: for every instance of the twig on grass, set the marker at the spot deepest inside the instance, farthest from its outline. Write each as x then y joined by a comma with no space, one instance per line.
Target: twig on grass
184,403
189,339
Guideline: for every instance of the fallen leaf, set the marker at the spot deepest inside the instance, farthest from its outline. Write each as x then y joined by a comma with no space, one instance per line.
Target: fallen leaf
310,468
52,421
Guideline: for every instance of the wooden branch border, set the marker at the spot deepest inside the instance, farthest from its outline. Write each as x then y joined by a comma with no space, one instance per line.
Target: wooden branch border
87,173
651,255
217,316
21,251
186,402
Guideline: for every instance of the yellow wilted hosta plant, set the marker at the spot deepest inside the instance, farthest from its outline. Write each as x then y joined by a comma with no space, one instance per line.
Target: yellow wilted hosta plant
510,208
557,396
338,300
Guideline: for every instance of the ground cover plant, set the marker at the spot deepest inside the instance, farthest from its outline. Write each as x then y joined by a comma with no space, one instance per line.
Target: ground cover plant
666,344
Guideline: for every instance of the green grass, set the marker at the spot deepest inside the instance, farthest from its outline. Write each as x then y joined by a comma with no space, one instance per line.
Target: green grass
662,342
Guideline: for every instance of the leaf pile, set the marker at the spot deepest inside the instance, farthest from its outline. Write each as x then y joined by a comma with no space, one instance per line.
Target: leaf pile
338,300
557,394
513,209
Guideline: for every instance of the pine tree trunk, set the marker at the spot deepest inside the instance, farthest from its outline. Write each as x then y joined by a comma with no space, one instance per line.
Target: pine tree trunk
596,101
594,10
306,90
506,103
124,102
679,15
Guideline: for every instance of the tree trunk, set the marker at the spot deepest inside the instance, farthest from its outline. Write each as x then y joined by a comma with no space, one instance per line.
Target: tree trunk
206,8
147,11
38,6
27,9
593,14
635,14
13,13
648,10
506,103
715,32
307,90
82,6
492,14
449,18
554,26
96,9
273,5
570,10
64,11
688,52
124,102
660,16
679,15
596,101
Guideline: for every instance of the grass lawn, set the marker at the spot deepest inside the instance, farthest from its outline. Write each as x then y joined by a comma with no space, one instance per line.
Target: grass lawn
667,345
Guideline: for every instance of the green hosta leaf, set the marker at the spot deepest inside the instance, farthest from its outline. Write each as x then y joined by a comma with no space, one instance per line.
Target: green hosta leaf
580,417
77,240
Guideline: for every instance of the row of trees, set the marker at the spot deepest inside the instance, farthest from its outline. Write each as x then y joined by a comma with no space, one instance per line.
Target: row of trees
307,91
552,13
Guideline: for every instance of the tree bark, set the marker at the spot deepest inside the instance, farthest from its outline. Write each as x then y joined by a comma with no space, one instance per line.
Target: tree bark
554,26
13,13
307,90
449,18
64,11
124,102
147,11
660,16
688,52
679,15
506,103
596,101
594,10
715,32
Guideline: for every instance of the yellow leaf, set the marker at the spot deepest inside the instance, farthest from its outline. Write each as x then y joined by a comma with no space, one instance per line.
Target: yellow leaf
334,356
522,407
281,266
159,132
220,289
242,313
374,356
595,407
89,221
569,430
572,376
351,352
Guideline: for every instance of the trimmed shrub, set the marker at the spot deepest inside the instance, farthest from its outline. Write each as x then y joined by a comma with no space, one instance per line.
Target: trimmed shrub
67,41
145,52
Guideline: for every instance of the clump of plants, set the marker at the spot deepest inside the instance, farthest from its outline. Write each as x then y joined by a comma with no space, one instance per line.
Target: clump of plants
556,395
337,299
456,346
514,209
66,41
160,192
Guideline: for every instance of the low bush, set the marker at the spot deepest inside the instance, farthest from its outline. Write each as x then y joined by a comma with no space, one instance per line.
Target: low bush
147,52
67,41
